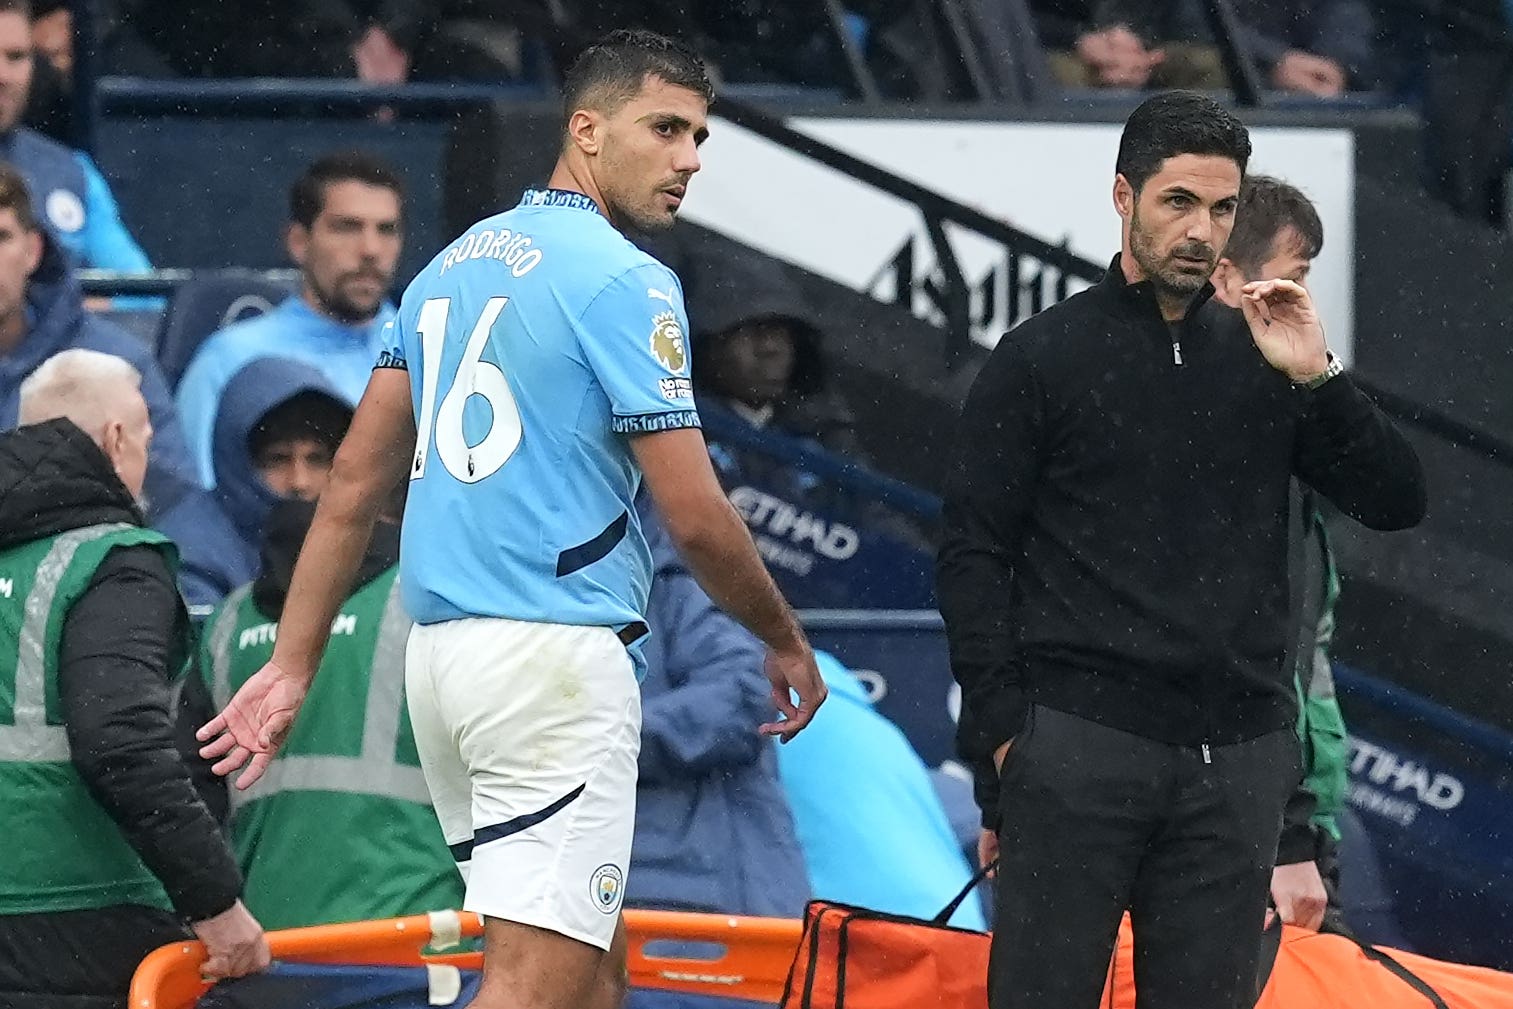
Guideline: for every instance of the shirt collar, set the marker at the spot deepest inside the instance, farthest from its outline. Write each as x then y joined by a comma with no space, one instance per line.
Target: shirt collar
1142,292
558,198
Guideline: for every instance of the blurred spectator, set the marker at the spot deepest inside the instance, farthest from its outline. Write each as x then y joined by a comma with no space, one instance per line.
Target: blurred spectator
345,216
749,41
869,821
348,780
384,42
42,313
1466,108
1322,48
53,34
1314,47
186,513
713,829
757,354
109,849
1122,44
66,187
277,429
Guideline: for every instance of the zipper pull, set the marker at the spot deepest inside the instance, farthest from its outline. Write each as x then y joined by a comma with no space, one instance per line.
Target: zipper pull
1207,757
1177,352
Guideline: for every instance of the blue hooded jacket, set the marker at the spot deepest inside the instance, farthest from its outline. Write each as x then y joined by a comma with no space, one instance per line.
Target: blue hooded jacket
58,322
252,392
872,827
713,830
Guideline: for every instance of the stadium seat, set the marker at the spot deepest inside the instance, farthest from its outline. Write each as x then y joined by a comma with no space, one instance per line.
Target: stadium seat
212,300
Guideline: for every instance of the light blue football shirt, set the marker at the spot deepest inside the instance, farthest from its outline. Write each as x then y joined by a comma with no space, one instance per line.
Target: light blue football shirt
536,344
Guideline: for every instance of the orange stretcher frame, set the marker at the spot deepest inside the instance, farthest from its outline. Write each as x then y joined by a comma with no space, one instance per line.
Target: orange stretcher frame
753,965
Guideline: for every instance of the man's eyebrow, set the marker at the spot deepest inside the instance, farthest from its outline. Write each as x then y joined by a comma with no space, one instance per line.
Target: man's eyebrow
669,117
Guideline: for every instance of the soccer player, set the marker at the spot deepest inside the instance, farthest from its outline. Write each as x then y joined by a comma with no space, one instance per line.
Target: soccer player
537,369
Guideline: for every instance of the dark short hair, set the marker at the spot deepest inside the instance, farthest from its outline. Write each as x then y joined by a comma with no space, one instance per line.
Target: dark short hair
15,196
22,7
612,70
307,197
1268,207
1174,123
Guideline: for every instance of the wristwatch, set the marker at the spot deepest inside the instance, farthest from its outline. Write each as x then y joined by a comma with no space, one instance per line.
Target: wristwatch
1332,369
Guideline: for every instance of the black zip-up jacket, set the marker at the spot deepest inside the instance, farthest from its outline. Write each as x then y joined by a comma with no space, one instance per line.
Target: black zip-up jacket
1116,521
120,642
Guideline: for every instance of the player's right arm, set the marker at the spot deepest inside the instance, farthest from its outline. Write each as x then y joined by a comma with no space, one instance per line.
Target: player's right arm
373,458
716,545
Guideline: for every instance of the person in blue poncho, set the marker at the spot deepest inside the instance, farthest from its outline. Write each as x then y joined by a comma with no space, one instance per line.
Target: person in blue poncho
871,825
277,428
72,198
345,235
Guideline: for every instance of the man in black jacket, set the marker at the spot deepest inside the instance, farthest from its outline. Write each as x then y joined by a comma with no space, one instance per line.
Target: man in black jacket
109,852
1114,582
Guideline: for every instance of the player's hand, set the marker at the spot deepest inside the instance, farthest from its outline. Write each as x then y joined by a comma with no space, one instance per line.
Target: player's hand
1285,327
253,725
234,943
793,669
1298,892
987,850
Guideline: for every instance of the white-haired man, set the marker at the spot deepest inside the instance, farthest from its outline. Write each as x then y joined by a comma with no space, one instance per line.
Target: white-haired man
110,850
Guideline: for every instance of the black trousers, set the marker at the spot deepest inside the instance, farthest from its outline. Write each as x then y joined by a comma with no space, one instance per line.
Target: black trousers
78,959
1096,821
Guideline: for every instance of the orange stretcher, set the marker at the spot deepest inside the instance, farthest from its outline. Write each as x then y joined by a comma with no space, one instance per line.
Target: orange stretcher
750,956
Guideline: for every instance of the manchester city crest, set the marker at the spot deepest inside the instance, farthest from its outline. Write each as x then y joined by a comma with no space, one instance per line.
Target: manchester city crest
607,885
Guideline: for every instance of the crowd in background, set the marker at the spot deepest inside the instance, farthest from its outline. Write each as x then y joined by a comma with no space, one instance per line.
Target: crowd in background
244,427
1451,58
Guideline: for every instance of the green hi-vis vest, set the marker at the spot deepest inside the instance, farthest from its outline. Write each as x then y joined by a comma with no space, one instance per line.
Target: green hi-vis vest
340,827
62,851
1326,744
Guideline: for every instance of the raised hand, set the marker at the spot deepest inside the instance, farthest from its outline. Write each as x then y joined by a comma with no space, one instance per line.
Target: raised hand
1285,327
253,725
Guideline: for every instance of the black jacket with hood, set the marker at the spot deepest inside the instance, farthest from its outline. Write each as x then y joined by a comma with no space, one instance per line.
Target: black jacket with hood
121,644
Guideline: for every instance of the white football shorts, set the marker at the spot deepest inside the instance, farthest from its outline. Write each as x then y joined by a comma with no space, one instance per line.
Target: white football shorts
528,734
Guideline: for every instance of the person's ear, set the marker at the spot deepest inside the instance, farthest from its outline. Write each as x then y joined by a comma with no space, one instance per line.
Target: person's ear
297,242
34,249
585,131
1226,279
1124,196
113,442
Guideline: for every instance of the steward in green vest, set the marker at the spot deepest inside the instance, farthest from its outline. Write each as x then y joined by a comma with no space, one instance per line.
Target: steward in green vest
1310,831
106,850
340,828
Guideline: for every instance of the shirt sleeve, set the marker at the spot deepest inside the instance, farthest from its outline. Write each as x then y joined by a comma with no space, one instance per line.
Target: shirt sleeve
107,243
391,352
633,335
115,654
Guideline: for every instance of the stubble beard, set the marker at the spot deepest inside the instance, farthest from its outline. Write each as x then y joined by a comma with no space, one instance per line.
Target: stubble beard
1169,281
